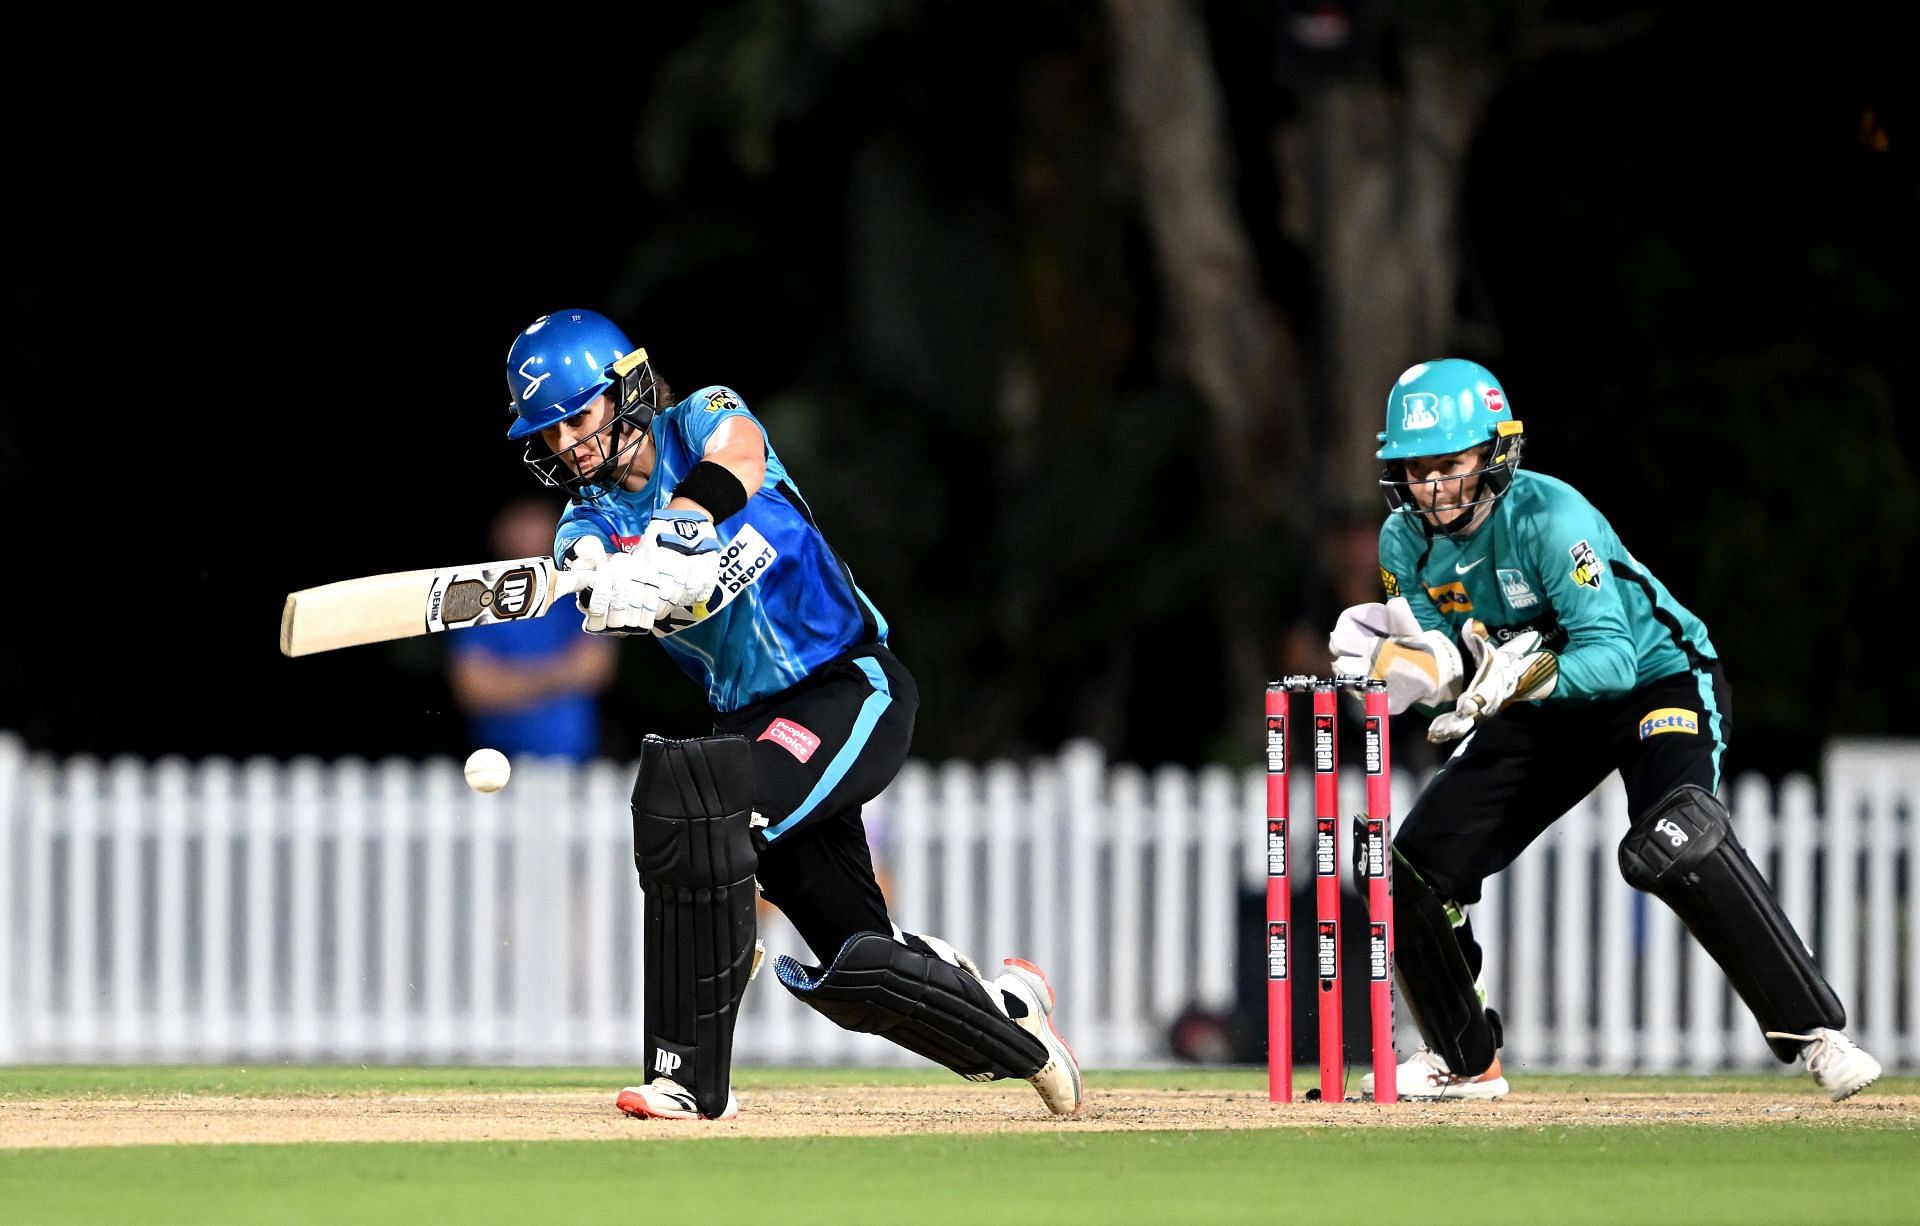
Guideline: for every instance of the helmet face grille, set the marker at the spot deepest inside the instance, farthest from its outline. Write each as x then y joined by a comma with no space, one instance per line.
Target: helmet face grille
1494,478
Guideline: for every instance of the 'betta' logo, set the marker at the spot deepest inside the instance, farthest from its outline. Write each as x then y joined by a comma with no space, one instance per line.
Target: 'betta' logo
1668,719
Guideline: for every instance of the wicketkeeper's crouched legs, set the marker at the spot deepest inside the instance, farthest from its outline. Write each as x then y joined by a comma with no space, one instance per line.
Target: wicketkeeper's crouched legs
1683,852
1437,984
693,846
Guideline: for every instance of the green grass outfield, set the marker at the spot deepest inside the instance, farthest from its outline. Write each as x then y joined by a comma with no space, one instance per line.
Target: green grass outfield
1835,1169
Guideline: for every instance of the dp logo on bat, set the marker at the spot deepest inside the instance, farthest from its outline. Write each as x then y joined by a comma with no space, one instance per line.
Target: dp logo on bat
512,596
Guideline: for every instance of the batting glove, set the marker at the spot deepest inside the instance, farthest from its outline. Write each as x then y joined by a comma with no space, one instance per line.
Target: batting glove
624,599
1517,670
1385,642
685,554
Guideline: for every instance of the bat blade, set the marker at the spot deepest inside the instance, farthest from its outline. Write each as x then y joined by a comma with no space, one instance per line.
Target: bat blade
379,608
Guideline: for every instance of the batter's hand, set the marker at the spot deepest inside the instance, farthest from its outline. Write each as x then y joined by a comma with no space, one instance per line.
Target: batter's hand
1385,642
686,557
625,598
1517,670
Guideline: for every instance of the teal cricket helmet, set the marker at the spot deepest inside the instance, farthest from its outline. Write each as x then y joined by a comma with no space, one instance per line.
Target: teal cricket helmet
1442,408
1438,408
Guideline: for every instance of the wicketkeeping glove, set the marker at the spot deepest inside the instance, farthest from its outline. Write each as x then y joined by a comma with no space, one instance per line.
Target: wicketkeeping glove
1385,642
686,557
1517,670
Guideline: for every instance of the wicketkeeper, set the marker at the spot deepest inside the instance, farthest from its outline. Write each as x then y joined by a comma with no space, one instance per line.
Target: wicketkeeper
692,533
1552,657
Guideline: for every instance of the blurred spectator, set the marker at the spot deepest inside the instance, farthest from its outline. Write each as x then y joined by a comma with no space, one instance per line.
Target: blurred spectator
531,687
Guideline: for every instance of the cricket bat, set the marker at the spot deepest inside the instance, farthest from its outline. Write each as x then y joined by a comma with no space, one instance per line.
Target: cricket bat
378,608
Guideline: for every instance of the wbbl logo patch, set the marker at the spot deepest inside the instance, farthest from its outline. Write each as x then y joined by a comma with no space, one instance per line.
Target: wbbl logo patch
1586,566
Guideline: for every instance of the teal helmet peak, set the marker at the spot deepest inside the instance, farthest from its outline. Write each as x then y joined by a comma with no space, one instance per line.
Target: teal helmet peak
1438,408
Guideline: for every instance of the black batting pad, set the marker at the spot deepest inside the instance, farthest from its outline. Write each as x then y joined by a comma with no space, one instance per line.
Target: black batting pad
692,809
931,1007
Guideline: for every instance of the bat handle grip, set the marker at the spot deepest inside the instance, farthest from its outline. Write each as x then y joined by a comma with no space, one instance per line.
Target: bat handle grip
567,582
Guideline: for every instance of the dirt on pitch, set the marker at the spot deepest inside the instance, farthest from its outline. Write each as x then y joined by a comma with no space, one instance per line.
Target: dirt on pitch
844,1111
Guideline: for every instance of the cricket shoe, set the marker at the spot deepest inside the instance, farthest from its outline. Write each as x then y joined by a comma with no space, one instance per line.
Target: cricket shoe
666,1099
1058,1080
1425,1075
1840,1067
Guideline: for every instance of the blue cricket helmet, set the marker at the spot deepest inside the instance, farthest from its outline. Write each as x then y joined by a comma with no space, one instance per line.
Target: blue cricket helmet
558,365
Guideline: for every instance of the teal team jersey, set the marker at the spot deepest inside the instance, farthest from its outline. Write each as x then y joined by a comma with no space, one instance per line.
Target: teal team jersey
1547,560
787,604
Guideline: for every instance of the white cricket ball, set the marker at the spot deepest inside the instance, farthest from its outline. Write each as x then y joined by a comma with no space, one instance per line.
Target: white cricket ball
487,770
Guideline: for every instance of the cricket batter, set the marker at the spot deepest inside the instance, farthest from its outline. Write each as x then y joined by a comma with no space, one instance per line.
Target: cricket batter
1553,658
692,532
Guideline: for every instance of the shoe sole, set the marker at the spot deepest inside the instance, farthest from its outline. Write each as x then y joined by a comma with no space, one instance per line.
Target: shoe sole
1467,1092
1844,1096
634,1105
1046,1017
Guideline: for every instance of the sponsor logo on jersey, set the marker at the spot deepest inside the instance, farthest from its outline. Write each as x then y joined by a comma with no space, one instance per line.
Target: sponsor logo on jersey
791,737
1419,410
1389,582
742,561
1668,719
1518,594
1452,598
1586,567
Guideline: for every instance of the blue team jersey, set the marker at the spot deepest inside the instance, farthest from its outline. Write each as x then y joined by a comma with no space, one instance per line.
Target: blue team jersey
565,725
1546,559
790,604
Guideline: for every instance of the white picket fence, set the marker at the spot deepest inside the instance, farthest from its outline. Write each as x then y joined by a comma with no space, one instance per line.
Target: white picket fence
380,912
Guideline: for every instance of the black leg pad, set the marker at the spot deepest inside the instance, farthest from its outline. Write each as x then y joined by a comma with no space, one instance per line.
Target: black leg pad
1683,852
876,985
692,842
1435,983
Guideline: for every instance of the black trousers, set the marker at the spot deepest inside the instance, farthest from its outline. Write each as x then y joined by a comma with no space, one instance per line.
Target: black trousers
821,750
1521,770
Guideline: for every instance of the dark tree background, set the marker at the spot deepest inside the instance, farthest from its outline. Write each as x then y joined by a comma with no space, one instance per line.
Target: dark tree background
1073,322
